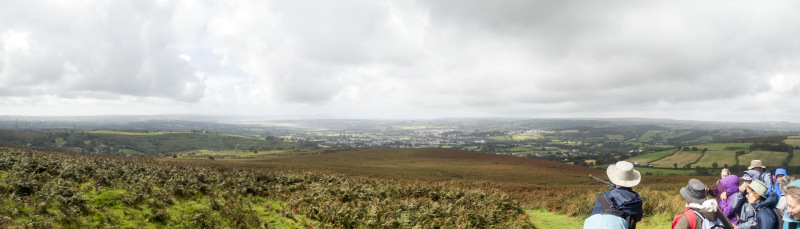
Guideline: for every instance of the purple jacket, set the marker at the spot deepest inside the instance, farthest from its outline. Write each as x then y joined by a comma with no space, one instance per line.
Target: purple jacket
729,185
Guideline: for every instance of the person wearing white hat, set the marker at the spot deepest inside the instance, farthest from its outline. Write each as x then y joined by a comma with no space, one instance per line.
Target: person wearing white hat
623,201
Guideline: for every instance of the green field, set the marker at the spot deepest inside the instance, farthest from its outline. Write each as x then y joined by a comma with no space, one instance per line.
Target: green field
768,158
723,146
616,137
652,156
681,157
795,158
122,132
228,154
516,137
661,171
793,141
720,157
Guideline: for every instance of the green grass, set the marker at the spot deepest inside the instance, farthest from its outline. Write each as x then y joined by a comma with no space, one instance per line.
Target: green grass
122,132
720,157
228,154
795,158
516,137
793,141
652,156
682,158
769,158
722,146
661,171
235,135
616,137
544,219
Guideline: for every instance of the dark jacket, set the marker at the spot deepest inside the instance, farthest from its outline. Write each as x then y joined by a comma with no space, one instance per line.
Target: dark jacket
623,199
765,213
760,216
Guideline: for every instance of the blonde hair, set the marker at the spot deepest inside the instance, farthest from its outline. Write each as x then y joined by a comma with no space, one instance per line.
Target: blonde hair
725,171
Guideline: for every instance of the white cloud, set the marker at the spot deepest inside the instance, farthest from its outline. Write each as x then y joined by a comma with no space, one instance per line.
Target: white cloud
92,49
682,59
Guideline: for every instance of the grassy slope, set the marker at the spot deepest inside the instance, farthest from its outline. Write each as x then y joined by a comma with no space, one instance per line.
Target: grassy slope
565,189
144,193
769,158
652,156
680,157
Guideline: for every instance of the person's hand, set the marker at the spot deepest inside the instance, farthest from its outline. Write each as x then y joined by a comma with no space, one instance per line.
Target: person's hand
724,196
743,188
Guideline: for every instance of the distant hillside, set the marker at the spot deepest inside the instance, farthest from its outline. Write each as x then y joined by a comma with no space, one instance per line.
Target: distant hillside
774,152
139,143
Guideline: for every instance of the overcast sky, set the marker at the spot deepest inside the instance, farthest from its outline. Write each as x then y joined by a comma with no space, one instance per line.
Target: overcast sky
691,60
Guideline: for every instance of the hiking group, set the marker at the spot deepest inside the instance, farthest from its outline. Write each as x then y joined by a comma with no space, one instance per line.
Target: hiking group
756,200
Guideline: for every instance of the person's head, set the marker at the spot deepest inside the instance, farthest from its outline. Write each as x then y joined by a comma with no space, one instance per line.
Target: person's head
725,172
756,192
623,174
792,195
780,172
747,178
784,181
694,192
757,166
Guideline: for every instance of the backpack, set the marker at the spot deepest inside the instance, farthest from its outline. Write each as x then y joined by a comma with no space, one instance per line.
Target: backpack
691,217
778,218
608,209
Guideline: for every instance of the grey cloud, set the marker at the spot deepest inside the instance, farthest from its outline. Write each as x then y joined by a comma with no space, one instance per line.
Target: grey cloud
119,48
612,54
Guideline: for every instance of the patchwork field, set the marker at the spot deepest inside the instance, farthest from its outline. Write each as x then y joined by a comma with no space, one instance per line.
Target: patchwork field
723,146
652,156
722,158
682,158
516,137
769,158
793,141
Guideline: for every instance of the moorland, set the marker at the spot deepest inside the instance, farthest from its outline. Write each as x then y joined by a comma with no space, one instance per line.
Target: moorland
357,173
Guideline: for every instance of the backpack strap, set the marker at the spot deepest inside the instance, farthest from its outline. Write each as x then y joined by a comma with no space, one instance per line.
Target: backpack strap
608,208
690,217
603,201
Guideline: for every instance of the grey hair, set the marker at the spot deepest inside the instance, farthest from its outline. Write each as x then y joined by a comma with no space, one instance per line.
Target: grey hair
785,180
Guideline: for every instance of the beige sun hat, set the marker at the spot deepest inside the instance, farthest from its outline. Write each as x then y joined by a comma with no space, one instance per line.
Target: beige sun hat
755,163
623,174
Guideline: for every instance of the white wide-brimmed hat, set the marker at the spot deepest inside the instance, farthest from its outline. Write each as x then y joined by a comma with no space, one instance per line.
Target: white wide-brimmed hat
623,174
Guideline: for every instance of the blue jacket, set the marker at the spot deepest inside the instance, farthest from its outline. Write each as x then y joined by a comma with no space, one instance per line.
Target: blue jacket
765,177
787,218
623,199
776,187
760,216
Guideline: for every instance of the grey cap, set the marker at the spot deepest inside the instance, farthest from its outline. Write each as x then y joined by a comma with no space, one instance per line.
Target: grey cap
694,192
